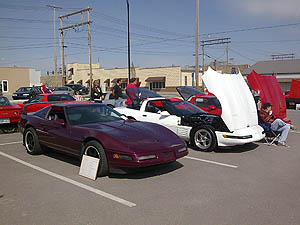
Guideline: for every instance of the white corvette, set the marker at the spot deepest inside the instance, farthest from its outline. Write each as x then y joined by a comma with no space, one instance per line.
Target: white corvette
238,124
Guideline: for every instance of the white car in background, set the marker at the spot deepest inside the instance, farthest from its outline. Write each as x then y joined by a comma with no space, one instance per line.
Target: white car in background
238,124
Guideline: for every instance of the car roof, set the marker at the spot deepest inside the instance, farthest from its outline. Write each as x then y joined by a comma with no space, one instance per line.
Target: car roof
72,104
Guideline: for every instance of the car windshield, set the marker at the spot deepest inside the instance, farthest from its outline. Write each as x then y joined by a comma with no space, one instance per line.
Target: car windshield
62,97
24,89
61,89
181,108
92,113
36,98
4,101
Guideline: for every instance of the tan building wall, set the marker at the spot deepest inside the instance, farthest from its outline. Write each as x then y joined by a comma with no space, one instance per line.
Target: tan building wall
174,75
52,81
16,77
80,73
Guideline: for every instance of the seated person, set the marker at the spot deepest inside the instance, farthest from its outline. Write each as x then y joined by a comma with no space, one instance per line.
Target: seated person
267,116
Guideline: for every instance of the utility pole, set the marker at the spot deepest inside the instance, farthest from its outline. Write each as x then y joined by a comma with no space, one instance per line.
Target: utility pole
197,46
54,7
128,40
283,56
62,52
88,22
227,57
215,42
90,50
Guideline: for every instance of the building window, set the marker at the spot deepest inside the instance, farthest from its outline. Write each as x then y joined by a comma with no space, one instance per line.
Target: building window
4,85
157,85
185,80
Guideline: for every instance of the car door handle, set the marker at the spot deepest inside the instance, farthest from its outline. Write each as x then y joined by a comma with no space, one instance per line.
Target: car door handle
145,115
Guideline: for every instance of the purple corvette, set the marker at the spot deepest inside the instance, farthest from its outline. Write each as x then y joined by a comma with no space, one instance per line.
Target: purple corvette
99,131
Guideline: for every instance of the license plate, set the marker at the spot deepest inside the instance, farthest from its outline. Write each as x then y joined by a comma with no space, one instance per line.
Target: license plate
25,94
3,121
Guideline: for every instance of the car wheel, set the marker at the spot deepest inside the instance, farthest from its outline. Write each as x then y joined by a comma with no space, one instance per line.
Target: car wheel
95,149
204,139
31,142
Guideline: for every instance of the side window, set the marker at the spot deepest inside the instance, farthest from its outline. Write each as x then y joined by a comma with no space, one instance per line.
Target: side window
4,86
56,113
154,107
202,102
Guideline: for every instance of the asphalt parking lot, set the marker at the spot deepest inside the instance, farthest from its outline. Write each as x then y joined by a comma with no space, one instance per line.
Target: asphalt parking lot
251,184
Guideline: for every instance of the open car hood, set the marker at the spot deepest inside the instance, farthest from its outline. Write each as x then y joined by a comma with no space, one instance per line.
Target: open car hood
238,106
187,92
267,87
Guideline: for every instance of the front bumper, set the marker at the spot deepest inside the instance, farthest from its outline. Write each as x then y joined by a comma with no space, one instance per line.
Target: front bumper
240,137
161,158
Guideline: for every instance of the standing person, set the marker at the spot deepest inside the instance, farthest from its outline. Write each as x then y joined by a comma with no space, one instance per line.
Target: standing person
132,94
43,88
267,116
97,94
117,91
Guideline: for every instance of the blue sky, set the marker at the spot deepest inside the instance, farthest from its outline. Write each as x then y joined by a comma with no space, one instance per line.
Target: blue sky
163,32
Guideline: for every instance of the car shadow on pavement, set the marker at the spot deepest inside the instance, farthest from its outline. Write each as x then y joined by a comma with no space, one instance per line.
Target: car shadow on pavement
139,173
62,157
238,148
147,172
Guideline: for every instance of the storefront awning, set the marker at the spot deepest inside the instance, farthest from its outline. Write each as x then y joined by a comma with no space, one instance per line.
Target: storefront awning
156,79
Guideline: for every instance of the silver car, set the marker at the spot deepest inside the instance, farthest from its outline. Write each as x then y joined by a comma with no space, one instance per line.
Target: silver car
110,101
64,90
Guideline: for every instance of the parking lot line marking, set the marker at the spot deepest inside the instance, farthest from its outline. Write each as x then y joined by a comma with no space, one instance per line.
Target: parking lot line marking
12,143
68,180
212,162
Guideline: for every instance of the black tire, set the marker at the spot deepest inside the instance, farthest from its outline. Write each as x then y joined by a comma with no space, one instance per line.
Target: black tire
203,138
31,142
94,148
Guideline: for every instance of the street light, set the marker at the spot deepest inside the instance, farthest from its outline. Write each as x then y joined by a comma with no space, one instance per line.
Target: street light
128,39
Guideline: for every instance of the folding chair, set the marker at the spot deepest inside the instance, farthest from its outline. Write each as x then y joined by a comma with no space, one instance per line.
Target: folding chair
271,135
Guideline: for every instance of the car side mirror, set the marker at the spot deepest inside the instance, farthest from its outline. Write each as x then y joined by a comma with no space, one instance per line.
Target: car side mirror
60,122
211,107
165,113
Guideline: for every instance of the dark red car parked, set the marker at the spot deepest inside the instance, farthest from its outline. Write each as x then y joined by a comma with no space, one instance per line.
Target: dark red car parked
43,100
206,102
99,131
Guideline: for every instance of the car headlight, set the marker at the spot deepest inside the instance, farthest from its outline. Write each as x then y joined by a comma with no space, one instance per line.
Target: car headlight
144,157
118,156
182,149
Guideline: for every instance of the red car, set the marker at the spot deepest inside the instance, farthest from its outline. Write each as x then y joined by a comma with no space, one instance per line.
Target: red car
99,131
9,114
41,101
292,97
207,102
268,88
